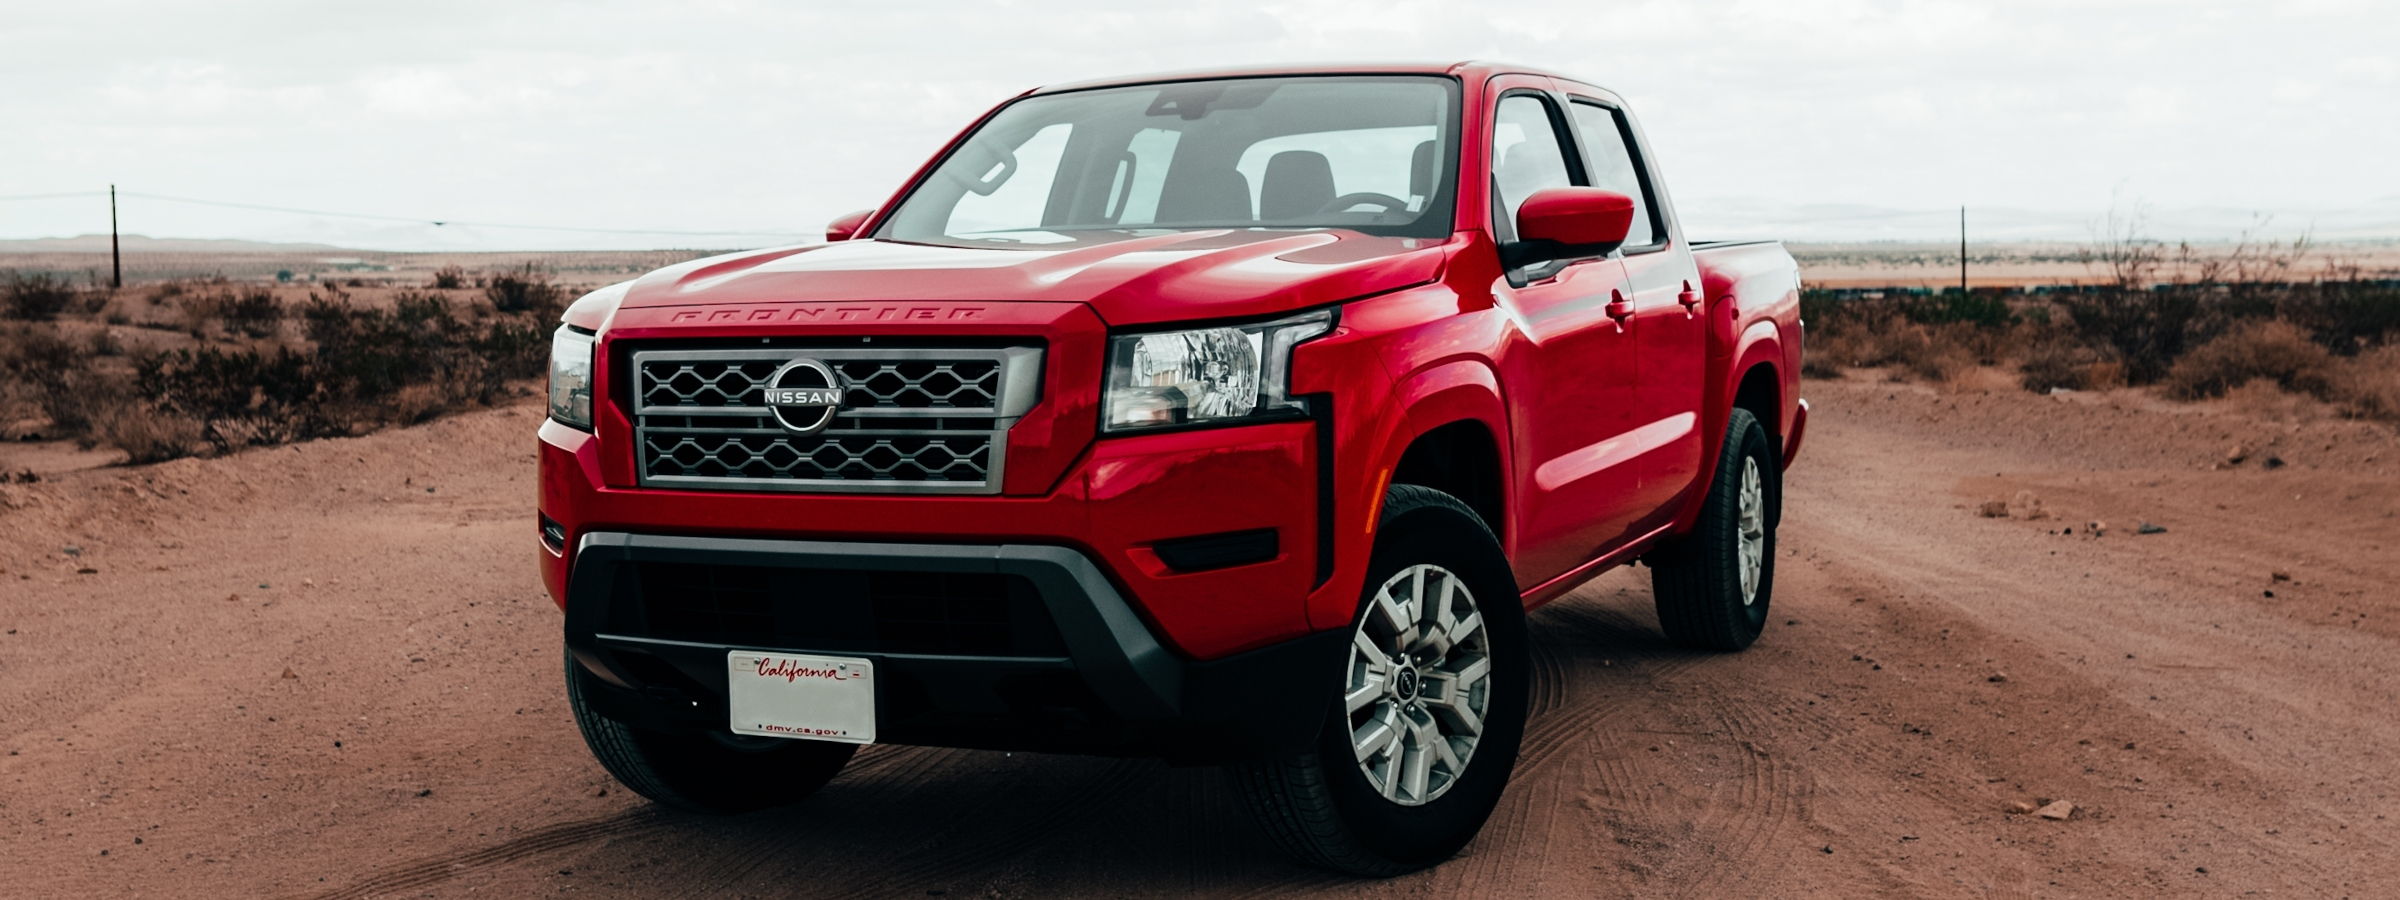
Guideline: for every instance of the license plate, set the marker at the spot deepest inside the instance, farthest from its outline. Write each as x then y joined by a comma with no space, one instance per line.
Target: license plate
822,698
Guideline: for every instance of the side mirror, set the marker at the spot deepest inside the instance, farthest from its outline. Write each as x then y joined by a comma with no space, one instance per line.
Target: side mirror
847,226
1568,222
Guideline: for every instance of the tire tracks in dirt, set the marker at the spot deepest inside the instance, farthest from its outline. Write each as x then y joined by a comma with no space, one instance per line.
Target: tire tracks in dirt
1567,636
897,770
1582,632
551,839
561,837
1578,648
942,864
1768,800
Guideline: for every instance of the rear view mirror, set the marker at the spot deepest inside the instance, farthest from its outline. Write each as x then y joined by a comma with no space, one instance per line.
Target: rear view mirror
846,227
1568,222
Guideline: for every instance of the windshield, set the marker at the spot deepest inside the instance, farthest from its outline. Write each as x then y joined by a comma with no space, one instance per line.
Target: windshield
1372,154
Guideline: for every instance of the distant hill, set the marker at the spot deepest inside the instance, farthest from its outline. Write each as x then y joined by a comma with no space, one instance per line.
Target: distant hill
134,243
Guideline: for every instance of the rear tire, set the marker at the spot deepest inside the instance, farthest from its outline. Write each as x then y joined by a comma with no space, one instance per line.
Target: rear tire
1713,585
1423,733
717,773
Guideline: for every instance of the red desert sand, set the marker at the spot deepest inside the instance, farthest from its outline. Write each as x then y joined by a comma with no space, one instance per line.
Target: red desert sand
328,670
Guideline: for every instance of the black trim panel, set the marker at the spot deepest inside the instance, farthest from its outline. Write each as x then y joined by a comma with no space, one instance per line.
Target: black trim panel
1118,692
1218,551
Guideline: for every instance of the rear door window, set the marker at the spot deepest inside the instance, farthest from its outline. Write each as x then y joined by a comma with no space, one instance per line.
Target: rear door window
1611,164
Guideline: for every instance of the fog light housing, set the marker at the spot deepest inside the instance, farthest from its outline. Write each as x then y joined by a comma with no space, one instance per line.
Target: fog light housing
554,535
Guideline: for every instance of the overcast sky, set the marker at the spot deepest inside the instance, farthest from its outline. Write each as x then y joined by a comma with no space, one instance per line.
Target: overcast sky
1812,119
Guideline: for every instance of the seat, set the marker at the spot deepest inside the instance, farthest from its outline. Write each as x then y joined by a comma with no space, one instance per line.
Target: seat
1204,196
1298,184
1420,170
1522,172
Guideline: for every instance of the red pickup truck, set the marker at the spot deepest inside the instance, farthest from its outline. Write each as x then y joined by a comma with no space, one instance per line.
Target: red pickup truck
1229,418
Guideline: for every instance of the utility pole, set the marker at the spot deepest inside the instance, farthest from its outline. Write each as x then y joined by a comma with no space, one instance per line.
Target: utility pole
1962,250
116,258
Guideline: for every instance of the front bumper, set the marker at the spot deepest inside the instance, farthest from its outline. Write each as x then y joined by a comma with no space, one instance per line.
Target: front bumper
1115,690
1117,504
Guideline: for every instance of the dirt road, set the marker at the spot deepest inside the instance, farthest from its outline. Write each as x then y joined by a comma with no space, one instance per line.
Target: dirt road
329,671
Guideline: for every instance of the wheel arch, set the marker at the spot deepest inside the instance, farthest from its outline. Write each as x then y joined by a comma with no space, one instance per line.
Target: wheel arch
1761,392
1459,446
1754,380
1750,379
1460,458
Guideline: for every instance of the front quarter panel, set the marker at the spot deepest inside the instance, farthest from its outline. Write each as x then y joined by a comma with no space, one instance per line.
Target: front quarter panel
1367,431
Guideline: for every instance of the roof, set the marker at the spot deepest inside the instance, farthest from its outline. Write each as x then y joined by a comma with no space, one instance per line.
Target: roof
1463,69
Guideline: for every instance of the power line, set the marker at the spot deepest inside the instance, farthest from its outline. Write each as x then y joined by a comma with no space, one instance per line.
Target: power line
53,196
442,222
421,221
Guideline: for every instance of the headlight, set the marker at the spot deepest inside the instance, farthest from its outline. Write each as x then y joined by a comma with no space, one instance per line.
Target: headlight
1207,375
571,377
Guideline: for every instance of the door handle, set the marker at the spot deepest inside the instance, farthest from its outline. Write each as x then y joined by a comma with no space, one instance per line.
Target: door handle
1618,308
1689,298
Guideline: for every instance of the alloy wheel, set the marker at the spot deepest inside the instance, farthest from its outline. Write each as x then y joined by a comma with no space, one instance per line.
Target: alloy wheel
1750,526
1419,682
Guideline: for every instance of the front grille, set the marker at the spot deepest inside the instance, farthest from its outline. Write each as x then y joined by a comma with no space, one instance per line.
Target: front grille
841,610
918,421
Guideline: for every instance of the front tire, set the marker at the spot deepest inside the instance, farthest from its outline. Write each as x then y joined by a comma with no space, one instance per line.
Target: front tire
1420,742
1713,585
705,773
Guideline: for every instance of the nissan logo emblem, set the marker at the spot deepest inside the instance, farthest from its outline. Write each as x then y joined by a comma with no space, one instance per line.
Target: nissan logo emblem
804,395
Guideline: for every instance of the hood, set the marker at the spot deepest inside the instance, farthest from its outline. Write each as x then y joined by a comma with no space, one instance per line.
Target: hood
1184,276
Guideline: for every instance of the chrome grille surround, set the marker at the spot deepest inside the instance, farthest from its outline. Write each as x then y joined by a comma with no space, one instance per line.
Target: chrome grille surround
915,421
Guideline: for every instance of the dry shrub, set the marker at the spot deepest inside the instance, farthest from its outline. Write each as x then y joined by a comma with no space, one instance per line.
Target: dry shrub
2053,365
2057,362
1930,338
2345,316
362,369
525,290
23,395
449,278
249,380
1813,363
57,372
2105,374
1931,353
255,313
1980,379
2146,330
419,402
252,312
2368,385
146,435
2272,350
38,297
179,287
202,312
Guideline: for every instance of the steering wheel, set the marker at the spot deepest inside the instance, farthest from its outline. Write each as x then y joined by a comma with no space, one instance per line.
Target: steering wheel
1345,201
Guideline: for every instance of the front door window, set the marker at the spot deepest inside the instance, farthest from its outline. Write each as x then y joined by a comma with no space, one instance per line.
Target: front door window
1526,157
